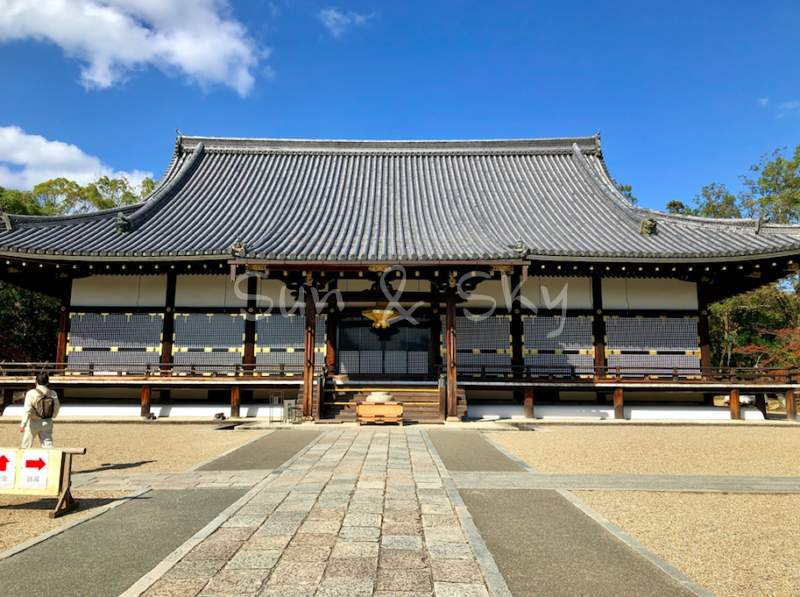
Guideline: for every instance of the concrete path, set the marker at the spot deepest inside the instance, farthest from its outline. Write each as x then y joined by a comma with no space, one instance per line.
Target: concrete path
105,555
541,542
694,483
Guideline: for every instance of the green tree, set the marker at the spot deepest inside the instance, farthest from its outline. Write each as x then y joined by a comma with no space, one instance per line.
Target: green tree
627,192
774,191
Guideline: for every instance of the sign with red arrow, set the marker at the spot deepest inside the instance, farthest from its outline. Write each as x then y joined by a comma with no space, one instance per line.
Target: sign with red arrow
34,469
8,468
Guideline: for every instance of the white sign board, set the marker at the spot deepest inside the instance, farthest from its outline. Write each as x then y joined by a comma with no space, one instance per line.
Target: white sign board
33,472
8,468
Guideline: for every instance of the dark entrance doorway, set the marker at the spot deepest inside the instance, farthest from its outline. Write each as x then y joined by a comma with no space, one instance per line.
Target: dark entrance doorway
402,349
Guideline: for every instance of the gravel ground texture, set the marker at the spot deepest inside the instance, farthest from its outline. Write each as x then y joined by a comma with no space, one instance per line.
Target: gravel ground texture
734,545
691,450
138,447
24,517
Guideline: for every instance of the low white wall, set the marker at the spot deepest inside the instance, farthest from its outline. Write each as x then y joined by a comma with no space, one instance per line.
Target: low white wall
577,411
159,410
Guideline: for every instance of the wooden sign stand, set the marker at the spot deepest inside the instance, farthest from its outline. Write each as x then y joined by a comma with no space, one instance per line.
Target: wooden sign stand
66,502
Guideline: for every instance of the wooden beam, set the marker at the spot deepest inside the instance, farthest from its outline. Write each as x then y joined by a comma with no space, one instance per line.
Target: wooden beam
145,401
703,330
331,330
733,402
168,327
452,379
791,407
598,325
236,402
619,405
308,354
529,403
249,357
761,404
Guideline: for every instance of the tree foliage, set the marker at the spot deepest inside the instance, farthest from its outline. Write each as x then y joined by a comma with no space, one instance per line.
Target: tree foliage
29,320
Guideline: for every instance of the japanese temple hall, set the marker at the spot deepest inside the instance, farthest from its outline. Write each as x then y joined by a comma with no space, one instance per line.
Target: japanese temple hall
452,274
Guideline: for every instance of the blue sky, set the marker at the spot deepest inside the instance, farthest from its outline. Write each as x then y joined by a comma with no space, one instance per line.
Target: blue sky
685,93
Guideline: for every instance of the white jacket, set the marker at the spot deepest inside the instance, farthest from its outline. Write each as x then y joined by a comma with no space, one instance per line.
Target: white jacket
32,399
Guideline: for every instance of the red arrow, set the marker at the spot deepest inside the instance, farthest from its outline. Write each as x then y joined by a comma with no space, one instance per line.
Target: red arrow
38,464
3,462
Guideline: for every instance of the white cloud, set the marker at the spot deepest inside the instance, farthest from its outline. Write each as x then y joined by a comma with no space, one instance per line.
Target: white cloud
789,108
26,160
763,101
196,38
337,22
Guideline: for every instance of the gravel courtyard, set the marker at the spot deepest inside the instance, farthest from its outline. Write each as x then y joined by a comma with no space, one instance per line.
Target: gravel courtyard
734,545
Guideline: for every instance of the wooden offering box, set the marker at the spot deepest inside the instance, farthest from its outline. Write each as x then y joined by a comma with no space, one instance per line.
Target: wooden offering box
379,412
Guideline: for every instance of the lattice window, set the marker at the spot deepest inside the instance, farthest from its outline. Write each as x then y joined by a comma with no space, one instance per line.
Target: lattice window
110,341
280,340
206,339
567,353
398,350
653,346
644,334
483,346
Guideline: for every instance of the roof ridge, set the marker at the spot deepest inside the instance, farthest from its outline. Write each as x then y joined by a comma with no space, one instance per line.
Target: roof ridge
546,145
758,225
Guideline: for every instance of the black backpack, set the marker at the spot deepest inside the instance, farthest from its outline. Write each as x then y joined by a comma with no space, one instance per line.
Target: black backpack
47,406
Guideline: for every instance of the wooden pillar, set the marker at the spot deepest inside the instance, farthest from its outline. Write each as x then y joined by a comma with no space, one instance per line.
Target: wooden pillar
331,330
63,326
436,341
761,404
168,328
249,357
308,359
528,403
736,411
145,401
619,405
235,402
516,329
704,339
598,327
452,379
791,407
8,398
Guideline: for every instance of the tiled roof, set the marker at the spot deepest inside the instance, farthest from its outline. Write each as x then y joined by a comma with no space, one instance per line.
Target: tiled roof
389,200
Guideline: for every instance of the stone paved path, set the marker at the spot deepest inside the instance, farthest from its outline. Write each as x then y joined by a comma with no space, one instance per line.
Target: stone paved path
362,512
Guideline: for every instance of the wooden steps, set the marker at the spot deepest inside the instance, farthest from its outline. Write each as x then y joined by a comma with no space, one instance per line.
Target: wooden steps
419,403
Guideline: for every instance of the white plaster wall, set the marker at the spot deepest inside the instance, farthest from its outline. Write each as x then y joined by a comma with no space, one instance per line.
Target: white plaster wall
208,291
271,290
119,291
579,291
656,293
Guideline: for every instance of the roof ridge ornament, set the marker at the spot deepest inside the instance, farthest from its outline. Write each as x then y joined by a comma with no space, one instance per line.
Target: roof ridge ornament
6,221
520,249
648,226
123,223
757,225
239,248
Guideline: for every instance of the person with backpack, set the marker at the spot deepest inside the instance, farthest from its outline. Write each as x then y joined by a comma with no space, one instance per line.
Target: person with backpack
41,407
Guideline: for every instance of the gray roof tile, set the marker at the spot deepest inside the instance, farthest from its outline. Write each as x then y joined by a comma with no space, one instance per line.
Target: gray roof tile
389,200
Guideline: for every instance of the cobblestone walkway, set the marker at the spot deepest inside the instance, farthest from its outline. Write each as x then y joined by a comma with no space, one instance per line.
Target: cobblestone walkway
363,512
